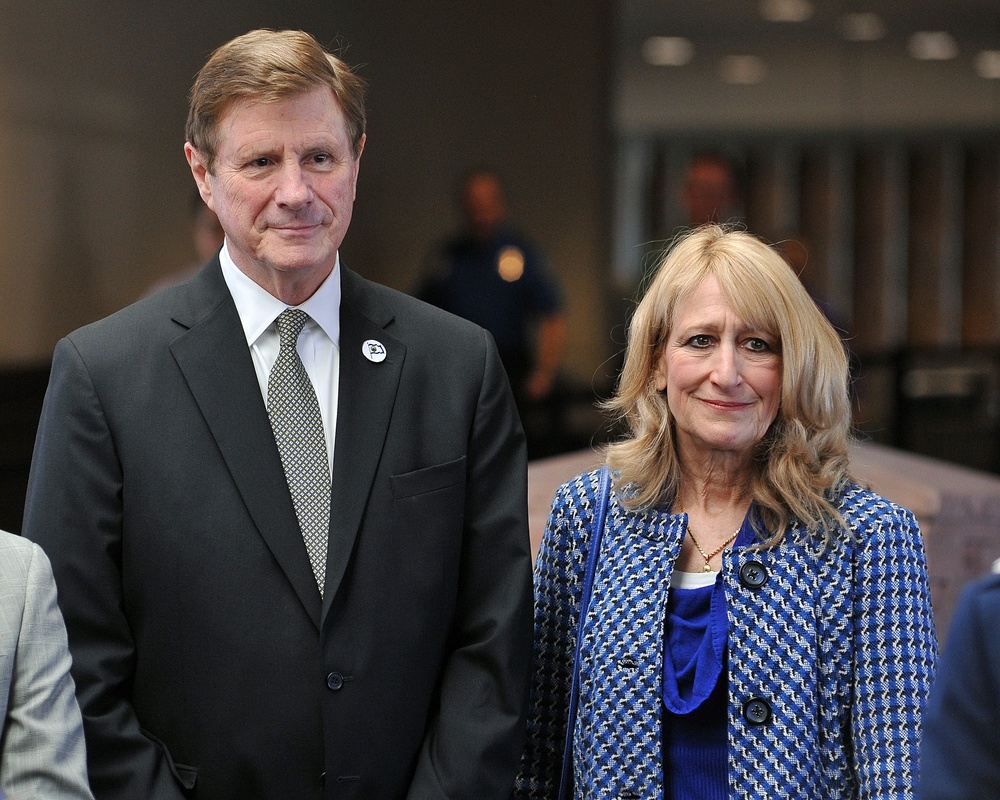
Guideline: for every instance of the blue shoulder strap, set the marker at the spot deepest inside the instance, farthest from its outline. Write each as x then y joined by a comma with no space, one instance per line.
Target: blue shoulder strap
596,532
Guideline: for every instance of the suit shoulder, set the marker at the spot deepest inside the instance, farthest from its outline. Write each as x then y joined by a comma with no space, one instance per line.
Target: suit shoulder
16,554
983,593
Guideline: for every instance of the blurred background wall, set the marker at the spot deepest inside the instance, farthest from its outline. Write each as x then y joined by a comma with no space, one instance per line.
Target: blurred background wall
94,189
869,134
884,164
95,194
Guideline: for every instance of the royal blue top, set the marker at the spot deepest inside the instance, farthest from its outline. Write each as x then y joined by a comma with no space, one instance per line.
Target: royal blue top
695,689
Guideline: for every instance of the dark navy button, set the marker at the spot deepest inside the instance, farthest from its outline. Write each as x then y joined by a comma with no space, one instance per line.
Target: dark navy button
334,680
753,575
757,711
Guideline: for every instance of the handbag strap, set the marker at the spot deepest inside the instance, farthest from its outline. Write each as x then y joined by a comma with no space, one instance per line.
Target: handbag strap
597,531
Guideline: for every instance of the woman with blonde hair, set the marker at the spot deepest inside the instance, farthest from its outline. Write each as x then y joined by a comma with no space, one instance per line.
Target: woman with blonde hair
722,611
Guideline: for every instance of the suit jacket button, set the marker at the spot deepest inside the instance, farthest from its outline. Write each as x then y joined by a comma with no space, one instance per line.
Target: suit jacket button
753,575
757,711
334,681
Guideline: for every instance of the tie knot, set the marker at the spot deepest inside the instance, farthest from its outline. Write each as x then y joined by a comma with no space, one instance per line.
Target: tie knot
290,323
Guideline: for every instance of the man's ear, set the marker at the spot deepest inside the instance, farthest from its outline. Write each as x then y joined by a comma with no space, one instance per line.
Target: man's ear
357,162
199,169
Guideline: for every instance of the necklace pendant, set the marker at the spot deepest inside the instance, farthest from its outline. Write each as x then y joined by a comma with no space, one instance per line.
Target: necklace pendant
708,567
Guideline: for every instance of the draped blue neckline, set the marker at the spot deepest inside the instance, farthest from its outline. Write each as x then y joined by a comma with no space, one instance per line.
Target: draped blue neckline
695,635
696,689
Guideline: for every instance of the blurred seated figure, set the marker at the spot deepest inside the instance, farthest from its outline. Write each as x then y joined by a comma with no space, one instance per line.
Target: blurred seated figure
960,756
795,248
207,235
493,275
41,732
206,230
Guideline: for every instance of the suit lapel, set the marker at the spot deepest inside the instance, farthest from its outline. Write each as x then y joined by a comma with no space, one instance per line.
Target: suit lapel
366,397
214,358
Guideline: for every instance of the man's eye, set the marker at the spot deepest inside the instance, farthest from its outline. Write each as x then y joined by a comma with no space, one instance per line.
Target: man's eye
259,162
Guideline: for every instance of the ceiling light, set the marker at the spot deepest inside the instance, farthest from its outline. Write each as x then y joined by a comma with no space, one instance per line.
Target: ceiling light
786,10
933,46
988,64
745,70
862,26
667,51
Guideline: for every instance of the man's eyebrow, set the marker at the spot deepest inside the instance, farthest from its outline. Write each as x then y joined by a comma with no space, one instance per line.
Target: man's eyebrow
256,148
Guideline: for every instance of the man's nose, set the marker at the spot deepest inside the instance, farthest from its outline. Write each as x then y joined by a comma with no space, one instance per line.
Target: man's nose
293,189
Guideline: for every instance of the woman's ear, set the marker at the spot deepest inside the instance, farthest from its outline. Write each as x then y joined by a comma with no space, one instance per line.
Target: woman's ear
660,373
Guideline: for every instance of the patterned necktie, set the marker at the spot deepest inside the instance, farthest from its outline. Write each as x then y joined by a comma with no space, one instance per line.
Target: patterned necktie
298,431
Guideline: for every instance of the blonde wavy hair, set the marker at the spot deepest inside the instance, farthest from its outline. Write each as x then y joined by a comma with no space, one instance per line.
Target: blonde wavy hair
802,460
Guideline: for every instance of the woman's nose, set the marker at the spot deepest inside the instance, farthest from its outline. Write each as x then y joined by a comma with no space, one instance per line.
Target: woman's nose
726,366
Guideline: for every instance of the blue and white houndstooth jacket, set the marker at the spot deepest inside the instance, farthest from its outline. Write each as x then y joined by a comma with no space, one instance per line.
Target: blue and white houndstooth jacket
831,653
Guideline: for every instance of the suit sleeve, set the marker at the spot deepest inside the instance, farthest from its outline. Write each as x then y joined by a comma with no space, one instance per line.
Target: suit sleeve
895,656
960,755
43,753
472,746
74,510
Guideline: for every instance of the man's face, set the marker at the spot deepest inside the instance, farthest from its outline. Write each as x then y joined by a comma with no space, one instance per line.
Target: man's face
283,186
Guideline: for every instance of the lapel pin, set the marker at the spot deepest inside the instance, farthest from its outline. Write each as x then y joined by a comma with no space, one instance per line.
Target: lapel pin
374,350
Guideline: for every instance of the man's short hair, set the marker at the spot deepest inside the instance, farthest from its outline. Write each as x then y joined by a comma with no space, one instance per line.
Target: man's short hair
267,66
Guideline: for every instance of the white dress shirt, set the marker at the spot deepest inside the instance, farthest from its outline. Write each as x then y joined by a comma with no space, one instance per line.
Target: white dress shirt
319,342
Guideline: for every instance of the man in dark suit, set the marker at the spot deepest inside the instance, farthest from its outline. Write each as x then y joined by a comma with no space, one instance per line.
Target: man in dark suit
184,453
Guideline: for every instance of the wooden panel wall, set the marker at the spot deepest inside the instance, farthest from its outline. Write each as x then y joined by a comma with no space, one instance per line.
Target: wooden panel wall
903,235
903,240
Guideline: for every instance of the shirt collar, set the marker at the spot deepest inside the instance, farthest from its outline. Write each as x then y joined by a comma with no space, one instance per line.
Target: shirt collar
258,308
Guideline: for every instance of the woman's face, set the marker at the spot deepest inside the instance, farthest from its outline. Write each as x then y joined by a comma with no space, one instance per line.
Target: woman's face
721,376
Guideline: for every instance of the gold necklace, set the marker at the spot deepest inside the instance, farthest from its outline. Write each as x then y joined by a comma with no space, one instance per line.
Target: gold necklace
709,556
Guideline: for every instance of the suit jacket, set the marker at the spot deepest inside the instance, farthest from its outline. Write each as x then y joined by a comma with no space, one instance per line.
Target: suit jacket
207,664
830,653
960,756
41,735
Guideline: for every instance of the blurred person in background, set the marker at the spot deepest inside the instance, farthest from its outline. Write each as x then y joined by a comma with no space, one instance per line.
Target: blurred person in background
206,235
960,757
493,275
711,189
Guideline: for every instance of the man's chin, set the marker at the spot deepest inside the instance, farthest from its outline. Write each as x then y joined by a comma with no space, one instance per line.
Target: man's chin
304,258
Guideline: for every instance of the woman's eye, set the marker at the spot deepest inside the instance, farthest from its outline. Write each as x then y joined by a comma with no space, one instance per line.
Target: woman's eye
701,340
758,345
